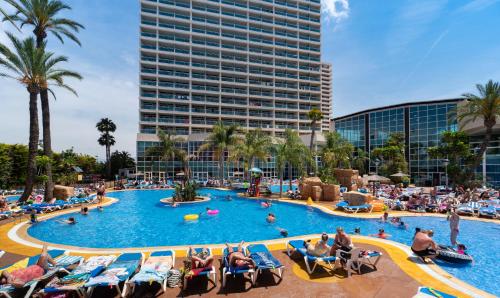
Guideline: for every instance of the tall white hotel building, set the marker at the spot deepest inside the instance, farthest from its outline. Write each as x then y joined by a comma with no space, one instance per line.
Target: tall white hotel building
254,63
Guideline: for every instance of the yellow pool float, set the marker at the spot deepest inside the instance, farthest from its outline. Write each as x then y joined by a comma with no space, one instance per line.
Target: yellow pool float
377,205
191,216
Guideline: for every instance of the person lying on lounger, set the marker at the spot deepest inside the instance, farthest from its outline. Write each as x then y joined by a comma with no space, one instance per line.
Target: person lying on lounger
18,278
318,249
237,258
200,260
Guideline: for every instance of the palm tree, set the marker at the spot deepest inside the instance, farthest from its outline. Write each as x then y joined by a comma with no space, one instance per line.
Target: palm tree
297,154
336,152
106,126
222,139
485,106
280,156
254,146
167,150
359,161
43,16
36,70
315,116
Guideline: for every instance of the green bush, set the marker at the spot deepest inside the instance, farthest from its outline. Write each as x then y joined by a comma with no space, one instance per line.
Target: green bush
186,192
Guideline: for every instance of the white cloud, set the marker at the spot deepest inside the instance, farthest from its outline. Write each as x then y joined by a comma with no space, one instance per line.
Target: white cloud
336,10
476,5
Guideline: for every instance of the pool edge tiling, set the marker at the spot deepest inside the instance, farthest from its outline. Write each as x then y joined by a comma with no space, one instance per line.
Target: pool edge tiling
15,239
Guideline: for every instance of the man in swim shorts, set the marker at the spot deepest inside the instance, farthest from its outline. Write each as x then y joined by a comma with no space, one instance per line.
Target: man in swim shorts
342,242
237,258
202,259
18,278
423,245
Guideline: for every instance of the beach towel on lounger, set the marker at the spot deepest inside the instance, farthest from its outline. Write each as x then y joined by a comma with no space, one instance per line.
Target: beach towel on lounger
115,273
154,269
265,260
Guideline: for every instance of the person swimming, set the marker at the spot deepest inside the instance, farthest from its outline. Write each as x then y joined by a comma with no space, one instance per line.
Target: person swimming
283,232
381,234
100,208
384,217
271,218
228,198
357,231
69,221
84,211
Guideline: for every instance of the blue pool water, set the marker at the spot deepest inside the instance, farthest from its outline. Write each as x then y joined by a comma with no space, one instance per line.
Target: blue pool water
275,188
138,220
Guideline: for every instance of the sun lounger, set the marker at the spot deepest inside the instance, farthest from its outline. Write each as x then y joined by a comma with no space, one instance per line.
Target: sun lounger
355,209
155,269
426,292
29,287
116,273
298,245
209,272
264,260
2,253
356,258
234,270
77,278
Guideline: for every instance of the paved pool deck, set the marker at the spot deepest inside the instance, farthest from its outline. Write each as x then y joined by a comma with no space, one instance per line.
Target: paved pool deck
398,273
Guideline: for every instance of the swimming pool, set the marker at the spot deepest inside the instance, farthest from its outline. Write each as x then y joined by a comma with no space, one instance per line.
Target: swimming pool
139,220
275,188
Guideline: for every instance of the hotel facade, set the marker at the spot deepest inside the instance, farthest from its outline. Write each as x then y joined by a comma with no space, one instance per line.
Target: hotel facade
256,64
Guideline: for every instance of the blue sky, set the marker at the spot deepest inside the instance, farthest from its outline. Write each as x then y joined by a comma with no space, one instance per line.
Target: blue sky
383,52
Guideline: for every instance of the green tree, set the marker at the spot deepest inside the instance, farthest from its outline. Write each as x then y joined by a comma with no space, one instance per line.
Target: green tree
166,149
34,69
106,126
337,151
19,157
359,160
222,139
455,147
5,166
392,155
296,153
315,116
121,160
254,146
43,16
483,106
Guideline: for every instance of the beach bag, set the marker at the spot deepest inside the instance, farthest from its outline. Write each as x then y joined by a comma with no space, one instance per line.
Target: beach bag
173,278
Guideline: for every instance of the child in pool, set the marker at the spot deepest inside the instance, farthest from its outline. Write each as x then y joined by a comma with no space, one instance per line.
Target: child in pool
461,249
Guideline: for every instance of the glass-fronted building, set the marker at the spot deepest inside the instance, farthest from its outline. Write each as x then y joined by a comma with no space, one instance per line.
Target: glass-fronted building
422,124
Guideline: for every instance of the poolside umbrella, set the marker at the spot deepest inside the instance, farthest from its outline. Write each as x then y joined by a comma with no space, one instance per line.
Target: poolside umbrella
255,170
400,175
377,178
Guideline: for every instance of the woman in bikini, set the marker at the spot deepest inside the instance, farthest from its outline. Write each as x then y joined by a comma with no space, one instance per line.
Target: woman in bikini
237,258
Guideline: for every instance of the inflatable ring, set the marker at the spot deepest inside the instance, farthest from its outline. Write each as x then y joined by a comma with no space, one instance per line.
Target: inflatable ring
213,212
191,216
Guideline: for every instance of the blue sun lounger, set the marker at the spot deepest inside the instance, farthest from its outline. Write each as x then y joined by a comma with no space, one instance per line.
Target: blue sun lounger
298,245
210,272
155,269
118,272
427,292
234,270
264,260
62,261
355,209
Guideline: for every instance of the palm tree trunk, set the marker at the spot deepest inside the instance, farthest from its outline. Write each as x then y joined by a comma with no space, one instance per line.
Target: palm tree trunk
290,175
108,161
47,146
221,169
482,149
281,183
311,145
33,147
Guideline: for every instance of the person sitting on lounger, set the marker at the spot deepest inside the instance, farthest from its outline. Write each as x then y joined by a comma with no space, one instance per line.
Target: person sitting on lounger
423,245
342,242
18,278
321,248
237,258
200,260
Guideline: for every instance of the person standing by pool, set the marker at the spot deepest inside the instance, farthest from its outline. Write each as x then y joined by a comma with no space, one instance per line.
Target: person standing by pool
342,242
454,219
